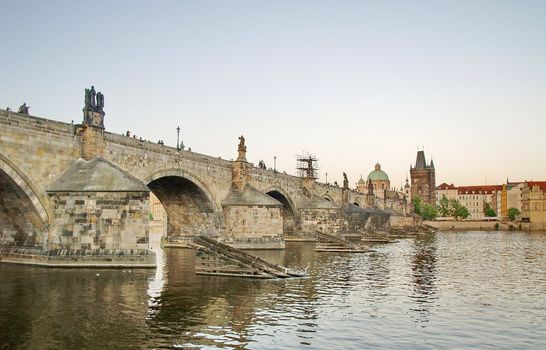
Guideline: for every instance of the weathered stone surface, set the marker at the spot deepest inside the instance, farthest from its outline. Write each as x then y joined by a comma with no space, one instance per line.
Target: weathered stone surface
96,175
251,213
99,220
249,196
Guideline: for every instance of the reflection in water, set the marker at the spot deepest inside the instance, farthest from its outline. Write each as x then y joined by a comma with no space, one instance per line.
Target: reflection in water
470,290
156,283
424,277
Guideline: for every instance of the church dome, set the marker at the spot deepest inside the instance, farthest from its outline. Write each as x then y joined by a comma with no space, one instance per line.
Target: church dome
378,174
361,181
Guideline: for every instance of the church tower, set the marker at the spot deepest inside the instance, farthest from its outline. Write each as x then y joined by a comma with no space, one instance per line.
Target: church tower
423,179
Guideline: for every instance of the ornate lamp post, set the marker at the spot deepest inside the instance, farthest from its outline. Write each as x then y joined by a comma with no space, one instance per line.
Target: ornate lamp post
178,138
327,178
275,163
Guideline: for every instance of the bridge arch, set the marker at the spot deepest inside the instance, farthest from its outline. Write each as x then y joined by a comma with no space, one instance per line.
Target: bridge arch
288,210
23,215
328,198
190,207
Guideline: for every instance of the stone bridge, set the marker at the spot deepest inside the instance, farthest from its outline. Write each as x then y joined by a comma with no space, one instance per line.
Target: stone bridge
79,186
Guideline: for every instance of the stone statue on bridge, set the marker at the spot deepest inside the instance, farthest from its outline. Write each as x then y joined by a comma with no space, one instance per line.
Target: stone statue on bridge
241,149
100,102
345,181
94,101
23,109
93,110
242,146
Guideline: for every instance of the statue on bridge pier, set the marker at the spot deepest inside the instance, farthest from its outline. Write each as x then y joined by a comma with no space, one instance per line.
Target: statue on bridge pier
345,181
241,149
93,110
100,102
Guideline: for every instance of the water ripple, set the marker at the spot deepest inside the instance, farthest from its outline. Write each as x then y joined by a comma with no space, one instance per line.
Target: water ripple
449,290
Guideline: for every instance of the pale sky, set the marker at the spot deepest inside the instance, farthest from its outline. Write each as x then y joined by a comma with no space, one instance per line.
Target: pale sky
352,82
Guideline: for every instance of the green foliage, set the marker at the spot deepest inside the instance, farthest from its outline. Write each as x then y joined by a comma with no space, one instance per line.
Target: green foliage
429,212
151,216
443,208
425,210
416,201
488,211
457,210
512,213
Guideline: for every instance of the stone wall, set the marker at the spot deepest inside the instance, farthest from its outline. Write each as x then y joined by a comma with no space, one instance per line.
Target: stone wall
252,221
99,220
92,142
148,161
401,221
467,225
323,220
41,149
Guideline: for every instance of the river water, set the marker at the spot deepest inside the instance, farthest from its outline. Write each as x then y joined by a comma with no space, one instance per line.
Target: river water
468,290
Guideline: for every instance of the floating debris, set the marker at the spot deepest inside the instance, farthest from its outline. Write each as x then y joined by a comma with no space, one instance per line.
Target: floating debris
219,259
330,243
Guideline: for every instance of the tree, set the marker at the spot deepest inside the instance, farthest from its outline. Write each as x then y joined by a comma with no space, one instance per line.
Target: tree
416,201
457,210
428,212
443,208
488,211
512,213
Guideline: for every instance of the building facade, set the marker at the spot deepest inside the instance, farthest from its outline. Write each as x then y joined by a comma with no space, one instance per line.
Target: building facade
423,179
450,191
533,204
511,195
475,198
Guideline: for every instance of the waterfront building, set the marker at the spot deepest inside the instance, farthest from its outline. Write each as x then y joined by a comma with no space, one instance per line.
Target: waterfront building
450,191
511,195
533,204
423,179
474,198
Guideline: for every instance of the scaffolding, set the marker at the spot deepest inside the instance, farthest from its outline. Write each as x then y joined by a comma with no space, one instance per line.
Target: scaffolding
307,166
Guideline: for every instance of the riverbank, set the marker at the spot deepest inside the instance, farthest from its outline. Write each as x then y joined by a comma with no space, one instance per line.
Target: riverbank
81,258
467,225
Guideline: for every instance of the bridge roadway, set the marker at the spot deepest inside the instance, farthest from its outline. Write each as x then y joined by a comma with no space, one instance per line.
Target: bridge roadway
51,197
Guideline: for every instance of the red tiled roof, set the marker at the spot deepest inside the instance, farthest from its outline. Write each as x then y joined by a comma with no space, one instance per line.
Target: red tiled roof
540,184
445,186
487,189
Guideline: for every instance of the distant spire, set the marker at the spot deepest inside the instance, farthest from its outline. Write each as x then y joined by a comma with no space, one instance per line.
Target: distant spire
420,162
